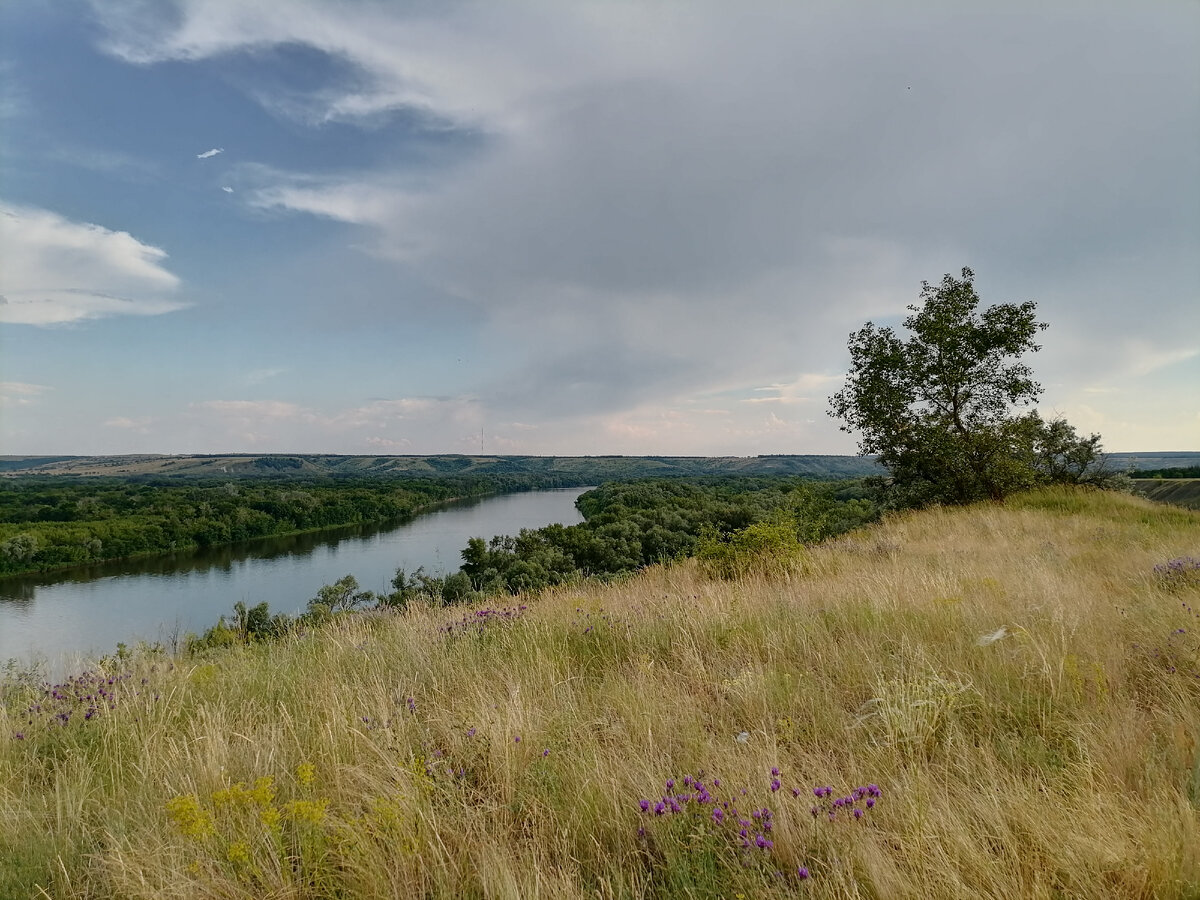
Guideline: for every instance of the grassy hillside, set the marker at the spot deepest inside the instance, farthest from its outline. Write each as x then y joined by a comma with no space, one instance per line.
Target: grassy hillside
999,701
1180,491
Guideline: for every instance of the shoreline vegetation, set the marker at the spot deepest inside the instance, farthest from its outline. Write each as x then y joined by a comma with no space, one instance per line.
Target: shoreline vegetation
56,525
997,700
244,543
57,513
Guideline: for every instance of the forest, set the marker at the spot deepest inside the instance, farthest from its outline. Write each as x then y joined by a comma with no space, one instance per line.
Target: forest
48,524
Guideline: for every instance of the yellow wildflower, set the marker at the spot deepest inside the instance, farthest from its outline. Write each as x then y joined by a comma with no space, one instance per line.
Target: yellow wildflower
190,817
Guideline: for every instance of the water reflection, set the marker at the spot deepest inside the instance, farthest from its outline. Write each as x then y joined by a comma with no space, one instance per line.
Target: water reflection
91,608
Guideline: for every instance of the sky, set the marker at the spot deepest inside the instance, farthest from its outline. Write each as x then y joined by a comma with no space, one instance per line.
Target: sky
577,227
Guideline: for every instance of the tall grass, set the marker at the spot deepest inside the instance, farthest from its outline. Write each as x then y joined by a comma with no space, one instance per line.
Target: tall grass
1011,678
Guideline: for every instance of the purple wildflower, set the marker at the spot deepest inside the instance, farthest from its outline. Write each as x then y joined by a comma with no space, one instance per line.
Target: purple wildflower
802,873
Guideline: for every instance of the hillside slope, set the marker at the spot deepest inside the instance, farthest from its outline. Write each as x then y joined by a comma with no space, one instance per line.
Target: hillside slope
998,701
1179,491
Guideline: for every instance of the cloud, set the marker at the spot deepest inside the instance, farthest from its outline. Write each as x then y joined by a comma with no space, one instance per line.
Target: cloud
1143,357
19,393
140,425
257,376
57,271
227,189
806,388
208,154
250,410
116,163
663,202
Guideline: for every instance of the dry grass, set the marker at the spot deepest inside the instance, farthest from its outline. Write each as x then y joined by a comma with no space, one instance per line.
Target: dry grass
1058,759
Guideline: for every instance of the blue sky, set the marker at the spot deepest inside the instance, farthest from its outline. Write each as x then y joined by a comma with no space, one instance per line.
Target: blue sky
572,228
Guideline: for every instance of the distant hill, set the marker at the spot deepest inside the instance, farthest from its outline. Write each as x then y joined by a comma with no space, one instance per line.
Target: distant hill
1179,491
571,469
1141,462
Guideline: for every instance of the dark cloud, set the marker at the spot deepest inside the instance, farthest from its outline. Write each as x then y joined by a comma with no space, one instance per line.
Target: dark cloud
674,199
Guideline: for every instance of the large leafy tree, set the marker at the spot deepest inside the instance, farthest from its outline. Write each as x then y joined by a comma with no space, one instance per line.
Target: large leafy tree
942,407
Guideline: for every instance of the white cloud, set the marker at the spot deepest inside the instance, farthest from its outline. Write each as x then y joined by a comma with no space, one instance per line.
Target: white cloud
259,409
57,271
1143,357
257,376
208,154
19,393
806,388
140,425
227,189
387,445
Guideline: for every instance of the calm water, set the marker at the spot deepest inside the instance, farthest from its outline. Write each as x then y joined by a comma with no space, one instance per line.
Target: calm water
61,617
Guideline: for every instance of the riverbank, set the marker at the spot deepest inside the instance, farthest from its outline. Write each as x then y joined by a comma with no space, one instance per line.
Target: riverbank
161,599
247,546
55,525
993,701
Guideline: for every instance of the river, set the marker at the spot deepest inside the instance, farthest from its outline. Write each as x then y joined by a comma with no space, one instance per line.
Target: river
62,618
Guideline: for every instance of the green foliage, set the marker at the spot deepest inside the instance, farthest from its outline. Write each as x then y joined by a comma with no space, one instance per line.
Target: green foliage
756,546
938,408
341,596
634,524
247,625
1170,472
48,524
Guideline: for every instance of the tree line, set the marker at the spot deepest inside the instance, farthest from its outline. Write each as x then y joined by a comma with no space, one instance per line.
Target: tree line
51,524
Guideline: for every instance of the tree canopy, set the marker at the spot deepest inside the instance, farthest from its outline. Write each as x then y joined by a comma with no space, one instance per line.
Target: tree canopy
941,407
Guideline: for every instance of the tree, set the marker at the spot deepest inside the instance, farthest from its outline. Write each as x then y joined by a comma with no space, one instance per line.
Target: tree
341,596
940,407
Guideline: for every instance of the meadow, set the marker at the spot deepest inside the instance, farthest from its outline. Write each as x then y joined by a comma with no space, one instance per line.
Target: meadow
993,701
